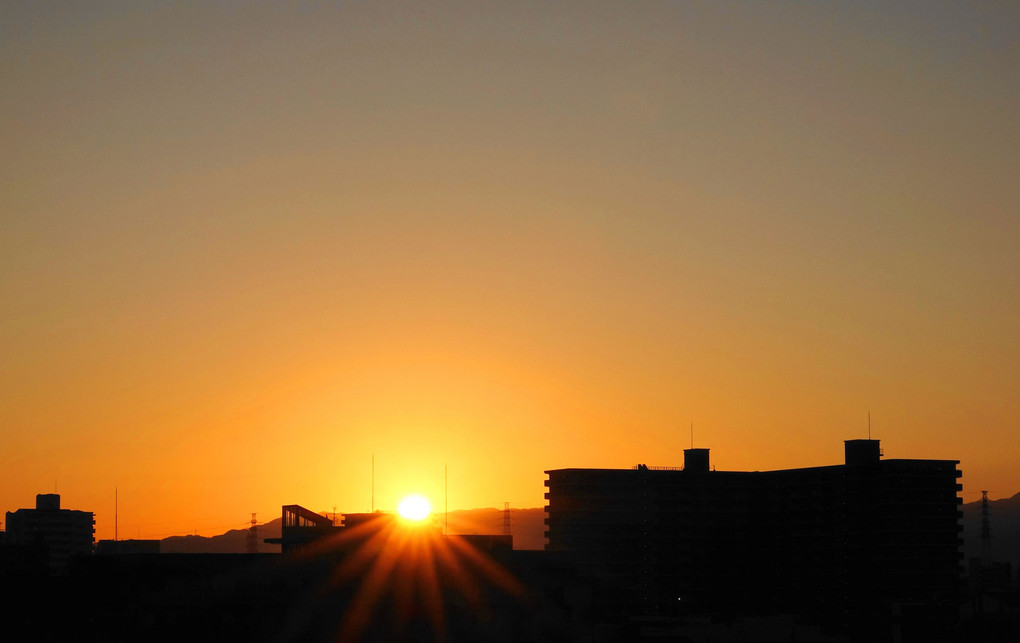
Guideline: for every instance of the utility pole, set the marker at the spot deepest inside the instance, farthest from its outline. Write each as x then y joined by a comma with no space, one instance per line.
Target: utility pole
986,531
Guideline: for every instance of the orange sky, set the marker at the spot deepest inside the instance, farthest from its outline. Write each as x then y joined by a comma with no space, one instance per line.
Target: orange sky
244,249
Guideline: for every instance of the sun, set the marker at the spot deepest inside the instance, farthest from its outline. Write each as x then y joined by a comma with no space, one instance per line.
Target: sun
415,508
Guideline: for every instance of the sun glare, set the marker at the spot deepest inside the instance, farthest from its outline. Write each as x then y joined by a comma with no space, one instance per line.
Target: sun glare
414,508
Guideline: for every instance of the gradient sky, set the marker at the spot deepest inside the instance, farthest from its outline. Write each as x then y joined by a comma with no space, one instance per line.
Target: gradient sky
243,248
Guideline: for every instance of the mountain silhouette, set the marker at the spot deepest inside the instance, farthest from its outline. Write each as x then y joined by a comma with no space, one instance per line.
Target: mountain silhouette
234,541
527,527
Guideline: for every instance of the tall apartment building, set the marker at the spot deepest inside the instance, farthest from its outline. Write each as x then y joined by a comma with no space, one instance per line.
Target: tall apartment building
62,533
848,545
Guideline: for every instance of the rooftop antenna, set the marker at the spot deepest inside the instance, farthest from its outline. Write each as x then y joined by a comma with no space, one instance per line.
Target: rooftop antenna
115,502
373,483
446,499
869,424
692,433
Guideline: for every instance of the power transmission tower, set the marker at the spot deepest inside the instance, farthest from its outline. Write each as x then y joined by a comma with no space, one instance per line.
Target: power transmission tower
253,536
507,531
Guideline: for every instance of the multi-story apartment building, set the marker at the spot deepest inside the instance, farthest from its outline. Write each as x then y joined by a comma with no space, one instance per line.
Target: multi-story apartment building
62,533
849,546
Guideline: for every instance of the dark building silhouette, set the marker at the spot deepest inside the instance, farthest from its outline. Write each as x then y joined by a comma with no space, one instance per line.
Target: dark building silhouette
866,548
126,547
358,577
59,533
362,577
302,526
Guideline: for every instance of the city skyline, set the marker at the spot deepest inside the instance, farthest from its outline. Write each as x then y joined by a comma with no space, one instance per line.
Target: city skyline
246,250
438,508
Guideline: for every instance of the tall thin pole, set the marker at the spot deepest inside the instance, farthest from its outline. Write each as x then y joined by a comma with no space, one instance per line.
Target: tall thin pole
446,499
373,483
986,531
116,500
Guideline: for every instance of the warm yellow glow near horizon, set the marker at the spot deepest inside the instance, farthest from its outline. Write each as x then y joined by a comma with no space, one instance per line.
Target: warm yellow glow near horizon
414,508
442,248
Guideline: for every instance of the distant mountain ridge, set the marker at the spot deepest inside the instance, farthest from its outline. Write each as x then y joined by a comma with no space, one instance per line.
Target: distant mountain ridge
234,541
528,529
526,525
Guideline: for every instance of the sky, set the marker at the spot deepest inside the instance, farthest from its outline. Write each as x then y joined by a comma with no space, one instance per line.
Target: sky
251,252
